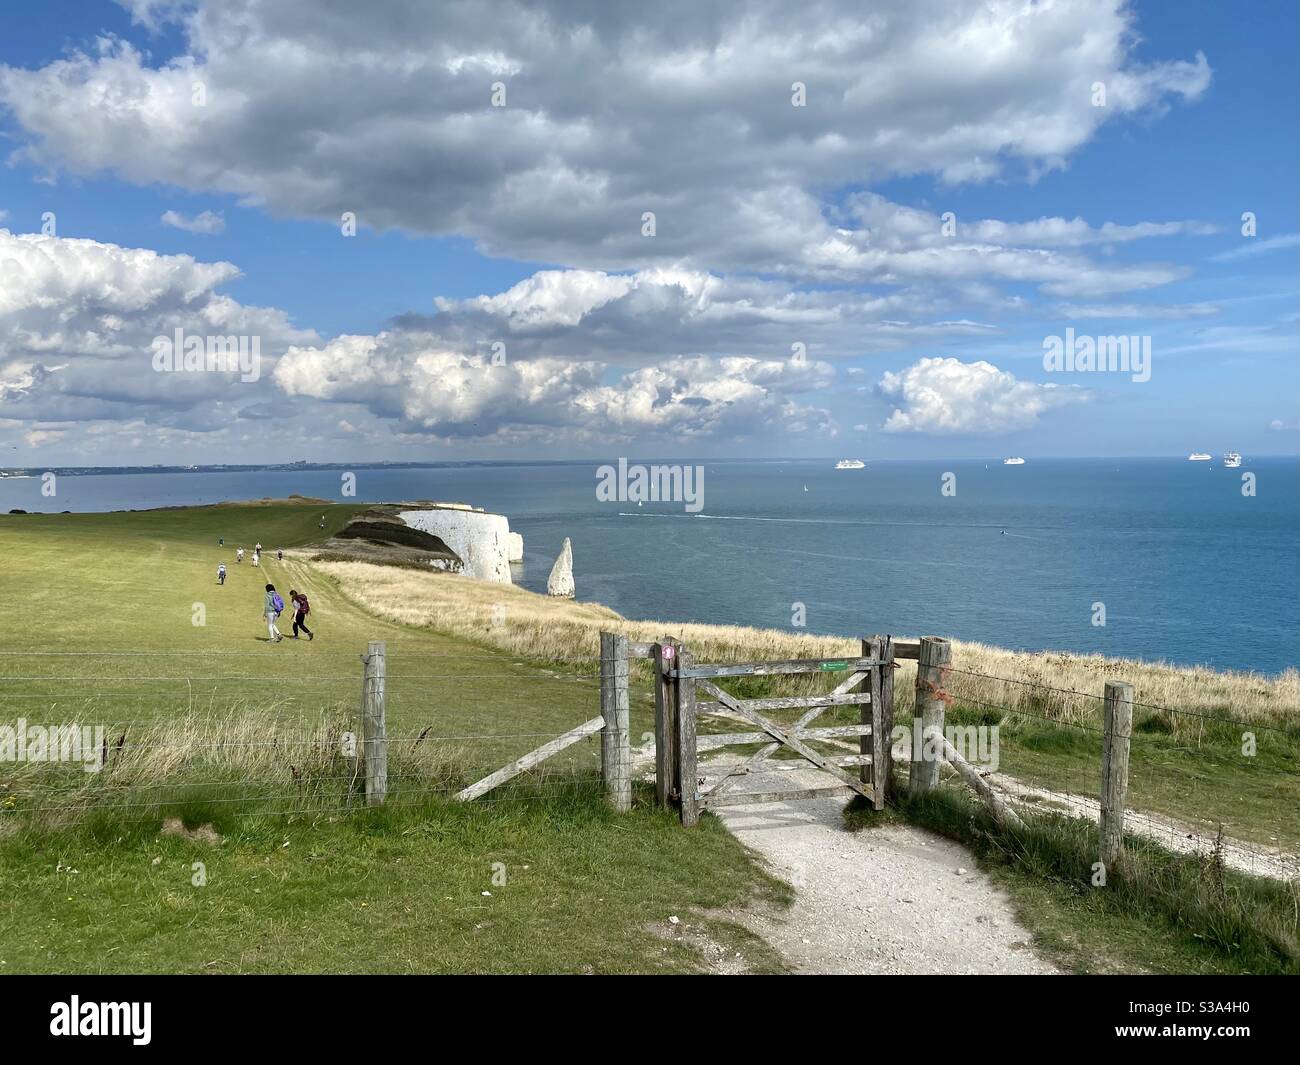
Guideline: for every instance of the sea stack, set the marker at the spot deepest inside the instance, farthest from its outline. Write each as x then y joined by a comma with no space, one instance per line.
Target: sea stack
560,582
514,547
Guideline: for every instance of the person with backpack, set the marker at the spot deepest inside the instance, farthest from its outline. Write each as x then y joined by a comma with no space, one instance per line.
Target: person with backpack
221,573
301,608
271,610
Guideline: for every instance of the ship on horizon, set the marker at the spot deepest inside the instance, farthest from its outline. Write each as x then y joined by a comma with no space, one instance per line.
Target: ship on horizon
1014,460
850,464
1198,456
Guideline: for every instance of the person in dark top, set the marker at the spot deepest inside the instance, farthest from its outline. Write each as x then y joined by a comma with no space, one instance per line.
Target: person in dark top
301,608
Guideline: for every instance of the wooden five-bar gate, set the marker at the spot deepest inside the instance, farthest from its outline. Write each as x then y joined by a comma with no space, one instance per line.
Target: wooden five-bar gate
864,682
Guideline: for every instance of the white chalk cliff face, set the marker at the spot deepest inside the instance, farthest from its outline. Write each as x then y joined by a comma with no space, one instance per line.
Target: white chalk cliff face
515,552
560,582
482,540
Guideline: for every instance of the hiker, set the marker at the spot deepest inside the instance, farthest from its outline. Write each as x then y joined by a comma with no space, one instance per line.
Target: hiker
271,610
257,548
221,541
322,521
301,608
279,557
221,573
239,555
257,558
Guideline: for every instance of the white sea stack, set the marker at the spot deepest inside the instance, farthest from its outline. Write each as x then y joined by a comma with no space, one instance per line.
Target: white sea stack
481,539
514,547
560,582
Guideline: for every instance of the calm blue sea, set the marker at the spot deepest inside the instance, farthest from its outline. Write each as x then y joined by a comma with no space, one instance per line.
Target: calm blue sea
1188,568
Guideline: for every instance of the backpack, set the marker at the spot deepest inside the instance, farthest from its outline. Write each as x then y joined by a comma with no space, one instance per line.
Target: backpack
304,608
278,603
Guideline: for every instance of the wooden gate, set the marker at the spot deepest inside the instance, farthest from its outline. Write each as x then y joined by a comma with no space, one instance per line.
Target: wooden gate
865,682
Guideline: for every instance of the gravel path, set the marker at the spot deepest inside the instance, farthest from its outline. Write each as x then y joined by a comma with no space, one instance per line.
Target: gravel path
895,899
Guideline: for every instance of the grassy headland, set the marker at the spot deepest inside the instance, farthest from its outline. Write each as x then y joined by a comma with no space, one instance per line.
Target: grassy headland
208,723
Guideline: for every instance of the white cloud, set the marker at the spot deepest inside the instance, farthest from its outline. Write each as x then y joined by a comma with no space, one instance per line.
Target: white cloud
78,319
412,378
205,223
1140,310
947,396
612,110
1255,246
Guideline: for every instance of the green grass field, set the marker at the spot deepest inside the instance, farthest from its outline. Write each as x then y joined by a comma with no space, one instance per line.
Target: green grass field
134,584
324,890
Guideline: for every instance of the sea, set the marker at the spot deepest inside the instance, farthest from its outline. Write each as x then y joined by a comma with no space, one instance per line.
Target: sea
1152,558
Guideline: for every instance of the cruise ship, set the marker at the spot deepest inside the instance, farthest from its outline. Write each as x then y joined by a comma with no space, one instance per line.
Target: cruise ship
1231,460
1198,456
1014,460
850,464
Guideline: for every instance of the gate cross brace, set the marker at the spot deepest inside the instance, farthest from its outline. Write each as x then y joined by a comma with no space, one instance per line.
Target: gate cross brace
778,734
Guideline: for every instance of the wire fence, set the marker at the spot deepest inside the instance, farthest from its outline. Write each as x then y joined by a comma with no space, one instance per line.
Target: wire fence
1231,791
211,729
144,733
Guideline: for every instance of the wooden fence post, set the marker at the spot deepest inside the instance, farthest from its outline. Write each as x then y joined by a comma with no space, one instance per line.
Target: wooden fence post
1114,770
615,744
880,715
931,668
374,738
664,655
688,781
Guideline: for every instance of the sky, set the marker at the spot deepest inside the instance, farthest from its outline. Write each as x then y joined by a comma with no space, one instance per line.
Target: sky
447,231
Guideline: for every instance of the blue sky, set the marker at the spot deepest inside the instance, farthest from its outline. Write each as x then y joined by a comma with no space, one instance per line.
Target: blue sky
898,320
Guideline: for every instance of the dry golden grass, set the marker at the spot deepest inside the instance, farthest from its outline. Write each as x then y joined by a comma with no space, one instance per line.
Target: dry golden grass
243,755
524,623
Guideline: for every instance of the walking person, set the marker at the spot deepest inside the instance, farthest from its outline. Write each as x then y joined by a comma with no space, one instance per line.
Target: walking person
301,608
239,555
221,573
271,611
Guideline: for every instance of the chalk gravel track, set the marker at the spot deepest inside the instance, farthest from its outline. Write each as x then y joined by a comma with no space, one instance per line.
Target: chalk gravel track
893,899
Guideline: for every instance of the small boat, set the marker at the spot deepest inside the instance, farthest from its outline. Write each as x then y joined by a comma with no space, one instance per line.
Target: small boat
805,488
1014,460
1198,456
850,464
1231,460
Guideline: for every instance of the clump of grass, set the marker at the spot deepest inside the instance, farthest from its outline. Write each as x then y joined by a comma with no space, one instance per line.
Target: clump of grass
200,765
1250,924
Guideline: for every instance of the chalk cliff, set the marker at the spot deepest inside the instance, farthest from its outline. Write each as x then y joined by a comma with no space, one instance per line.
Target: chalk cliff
481,540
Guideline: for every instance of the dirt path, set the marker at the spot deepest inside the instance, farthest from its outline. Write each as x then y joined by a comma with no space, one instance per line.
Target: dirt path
1253,858
896,899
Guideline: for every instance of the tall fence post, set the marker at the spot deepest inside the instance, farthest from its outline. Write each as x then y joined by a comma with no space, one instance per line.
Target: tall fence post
1114,770
688,781
615,744
931,669
665,660
374,737
880,715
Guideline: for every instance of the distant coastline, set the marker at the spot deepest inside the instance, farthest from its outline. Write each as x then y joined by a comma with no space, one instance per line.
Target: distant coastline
458,464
